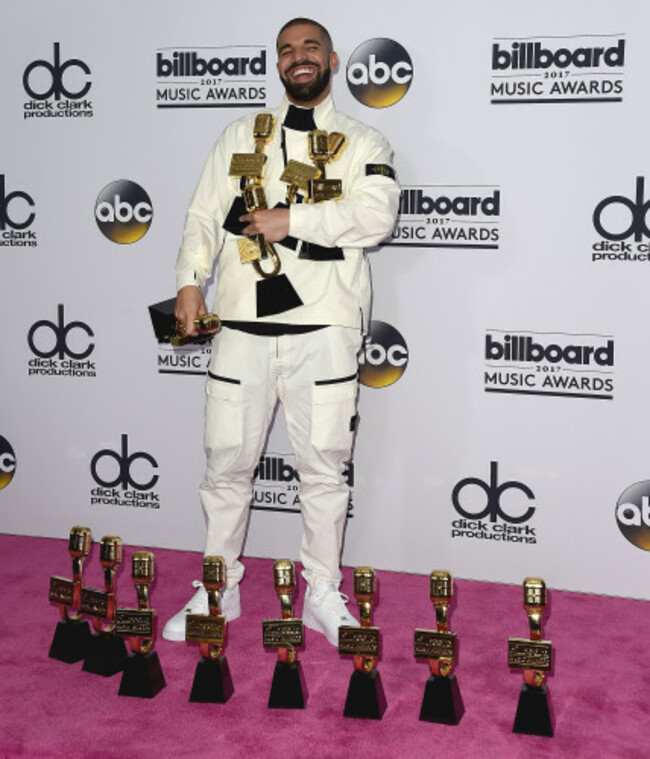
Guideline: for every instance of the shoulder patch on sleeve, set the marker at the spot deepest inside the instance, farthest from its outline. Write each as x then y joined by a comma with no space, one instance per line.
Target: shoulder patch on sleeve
383,169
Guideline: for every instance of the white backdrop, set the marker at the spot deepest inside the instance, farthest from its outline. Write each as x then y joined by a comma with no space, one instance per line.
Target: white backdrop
459,287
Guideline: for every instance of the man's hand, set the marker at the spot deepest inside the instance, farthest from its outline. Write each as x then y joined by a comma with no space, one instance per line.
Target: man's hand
272,223
189,305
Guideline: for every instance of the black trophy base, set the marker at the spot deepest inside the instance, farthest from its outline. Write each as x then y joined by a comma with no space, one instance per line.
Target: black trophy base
212,681
288,689
533,713
366,698
106,655
71,640
143,676
442,701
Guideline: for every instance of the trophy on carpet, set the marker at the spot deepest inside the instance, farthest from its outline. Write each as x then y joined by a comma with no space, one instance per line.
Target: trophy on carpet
106,651
534,656
288,688
442,701
366,698
142,676
207,325
72,634
212,679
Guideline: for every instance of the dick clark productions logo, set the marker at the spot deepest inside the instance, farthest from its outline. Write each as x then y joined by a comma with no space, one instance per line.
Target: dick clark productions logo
124,478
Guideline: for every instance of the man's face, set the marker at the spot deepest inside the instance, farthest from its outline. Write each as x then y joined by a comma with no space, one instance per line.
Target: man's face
305,64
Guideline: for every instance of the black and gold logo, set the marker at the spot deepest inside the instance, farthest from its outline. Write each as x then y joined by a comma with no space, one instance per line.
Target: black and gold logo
379,72
633,514
384,357
7,463
123,211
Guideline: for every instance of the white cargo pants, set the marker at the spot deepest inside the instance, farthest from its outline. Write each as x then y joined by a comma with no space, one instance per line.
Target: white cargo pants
314,375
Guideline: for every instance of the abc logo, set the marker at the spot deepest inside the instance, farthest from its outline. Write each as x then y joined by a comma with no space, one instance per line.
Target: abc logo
384,357
618,217
123,211
379,72
7,463
43,79
633,514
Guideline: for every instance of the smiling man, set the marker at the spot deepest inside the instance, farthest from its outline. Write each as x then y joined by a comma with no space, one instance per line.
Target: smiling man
293,294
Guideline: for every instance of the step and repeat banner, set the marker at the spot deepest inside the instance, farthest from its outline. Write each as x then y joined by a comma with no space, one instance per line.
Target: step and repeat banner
504,384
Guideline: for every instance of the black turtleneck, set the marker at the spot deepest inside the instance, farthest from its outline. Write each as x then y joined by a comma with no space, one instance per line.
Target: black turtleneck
300,119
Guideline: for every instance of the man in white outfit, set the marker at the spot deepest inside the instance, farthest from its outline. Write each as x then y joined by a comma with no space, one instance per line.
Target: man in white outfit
291,334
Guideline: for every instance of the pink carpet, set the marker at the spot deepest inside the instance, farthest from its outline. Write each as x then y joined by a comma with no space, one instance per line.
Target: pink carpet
599,689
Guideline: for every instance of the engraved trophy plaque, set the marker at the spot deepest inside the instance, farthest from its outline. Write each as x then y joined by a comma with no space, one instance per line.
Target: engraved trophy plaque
535,657
287,688
142,676
107,653
72,634
366,698
212,679
442,701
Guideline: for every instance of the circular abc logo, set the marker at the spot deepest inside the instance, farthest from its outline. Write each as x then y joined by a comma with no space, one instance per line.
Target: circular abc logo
633,514
123,211
384,357
7,463
379,72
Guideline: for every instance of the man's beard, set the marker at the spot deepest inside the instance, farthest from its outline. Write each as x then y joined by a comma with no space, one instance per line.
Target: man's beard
304,93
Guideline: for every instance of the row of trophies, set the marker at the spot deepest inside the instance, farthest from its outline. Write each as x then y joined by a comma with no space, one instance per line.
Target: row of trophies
104,651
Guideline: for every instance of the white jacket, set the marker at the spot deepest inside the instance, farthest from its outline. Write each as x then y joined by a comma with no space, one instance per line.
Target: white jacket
335,292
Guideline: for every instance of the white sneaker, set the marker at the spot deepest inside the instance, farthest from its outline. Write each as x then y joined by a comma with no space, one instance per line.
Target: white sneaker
325,611
198,604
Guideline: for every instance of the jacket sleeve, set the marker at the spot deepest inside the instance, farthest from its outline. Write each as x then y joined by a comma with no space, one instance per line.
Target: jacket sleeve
367,212
203,234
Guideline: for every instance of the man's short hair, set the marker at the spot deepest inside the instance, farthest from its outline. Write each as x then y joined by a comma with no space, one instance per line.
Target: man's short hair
297,21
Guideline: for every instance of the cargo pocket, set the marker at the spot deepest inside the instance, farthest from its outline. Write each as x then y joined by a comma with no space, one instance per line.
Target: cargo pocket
223,413
333,414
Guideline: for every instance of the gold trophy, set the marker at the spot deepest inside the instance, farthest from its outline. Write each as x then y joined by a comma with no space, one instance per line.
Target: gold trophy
366,698
535,657
207,325
212,679
143,676
288,688
72,634
106,653
325,148
250,168
442,700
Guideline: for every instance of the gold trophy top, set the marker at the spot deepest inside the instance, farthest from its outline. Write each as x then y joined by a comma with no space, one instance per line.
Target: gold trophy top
442,586
214,572
254,197
365,583
79,542
319,149
110,551
365,588
534,593
284,575
337,143
142,567
263,130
